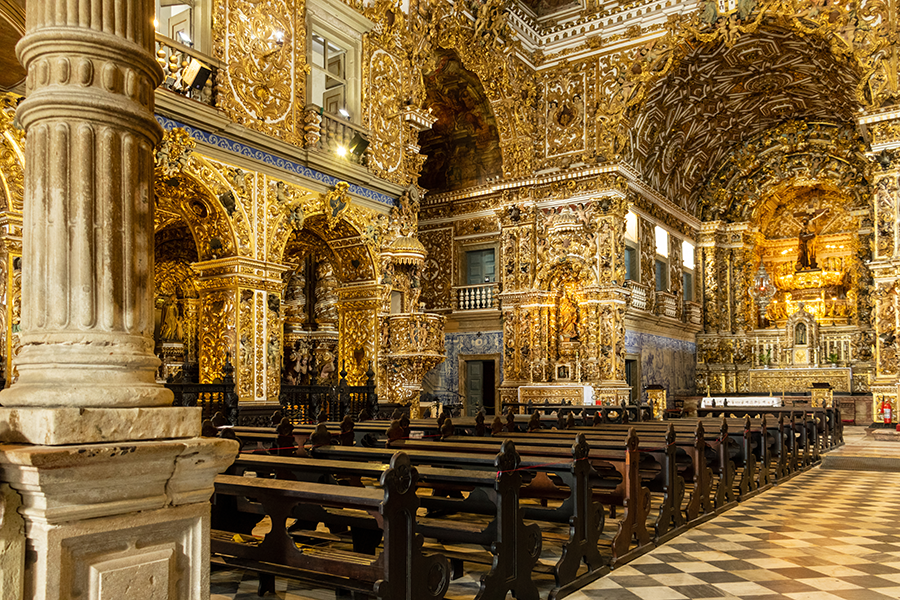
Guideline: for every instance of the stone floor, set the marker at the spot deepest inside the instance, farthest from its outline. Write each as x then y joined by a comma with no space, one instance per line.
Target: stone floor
824,535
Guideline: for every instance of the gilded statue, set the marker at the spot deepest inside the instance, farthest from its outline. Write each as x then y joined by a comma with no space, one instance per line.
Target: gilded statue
170,330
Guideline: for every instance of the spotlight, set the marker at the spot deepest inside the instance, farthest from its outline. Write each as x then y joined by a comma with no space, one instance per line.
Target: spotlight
184,38
358,144
155,23
341,151
278,36
196,74
344,113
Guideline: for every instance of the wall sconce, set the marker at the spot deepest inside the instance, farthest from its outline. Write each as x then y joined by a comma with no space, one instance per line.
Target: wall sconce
344,113
184,39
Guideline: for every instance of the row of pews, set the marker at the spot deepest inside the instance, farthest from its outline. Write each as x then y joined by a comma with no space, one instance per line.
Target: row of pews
378,508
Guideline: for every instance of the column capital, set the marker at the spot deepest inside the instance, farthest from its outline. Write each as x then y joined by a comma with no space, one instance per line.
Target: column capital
239,271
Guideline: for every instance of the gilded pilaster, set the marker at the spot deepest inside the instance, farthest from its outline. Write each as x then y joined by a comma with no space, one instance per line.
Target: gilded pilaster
358,344
240,318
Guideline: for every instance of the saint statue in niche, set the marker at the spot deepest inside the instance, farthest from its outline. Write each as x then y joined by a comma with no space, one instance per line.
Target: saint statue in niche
170,330
800,334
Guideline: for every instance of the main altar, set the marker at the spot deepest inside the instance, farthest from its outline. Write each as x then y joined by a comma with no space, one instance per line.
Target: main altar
796,318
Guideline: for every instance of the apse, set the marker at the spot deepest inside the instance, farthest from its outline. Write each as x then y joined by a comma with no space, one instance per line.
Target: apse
463,146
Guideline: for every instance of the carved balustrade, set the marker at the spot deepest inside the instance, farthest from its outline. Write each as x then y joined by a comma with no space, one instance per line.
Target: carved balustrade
640,294
666,304
334,133
304,403
477,297
693,313
184,67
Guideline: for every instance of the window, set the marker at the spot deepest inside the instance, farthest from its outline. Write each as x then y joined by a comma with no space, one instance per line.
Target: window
334,47
632,249
662,241
632,271
662,275
662,263
687,263
480,267
328,75
687,255
631,226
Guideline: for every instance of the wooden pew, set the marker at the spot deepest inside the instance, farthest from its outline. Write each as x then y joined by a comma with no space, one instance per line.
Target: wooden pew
515,546
624,460
400,572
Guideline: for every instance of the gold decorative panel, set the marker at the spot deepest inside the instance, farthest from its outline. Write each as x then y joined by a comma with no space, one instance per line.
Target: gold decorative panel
263,45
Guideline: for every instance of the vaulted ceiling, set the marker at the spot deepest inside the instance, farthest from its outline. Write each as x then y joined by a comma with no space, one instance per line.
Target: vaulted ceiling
717,97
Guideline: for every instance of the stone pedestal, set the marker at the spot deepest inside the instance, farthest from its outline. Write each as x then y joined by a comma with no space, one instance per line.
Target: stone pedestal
116,521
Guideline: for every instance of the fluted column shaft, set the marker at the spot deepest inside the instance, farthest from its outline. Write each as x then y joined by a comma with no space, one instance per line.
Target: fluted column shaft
87,318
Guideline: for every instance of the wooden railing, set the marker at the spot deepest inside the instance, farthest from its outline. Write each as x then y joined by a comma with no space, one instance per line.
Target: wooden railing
182,63
477,297
218,396
304,404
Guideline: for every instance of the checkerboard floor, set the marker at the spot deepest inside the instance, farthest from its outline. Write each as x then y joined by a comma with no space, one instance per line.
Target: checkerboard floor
823,535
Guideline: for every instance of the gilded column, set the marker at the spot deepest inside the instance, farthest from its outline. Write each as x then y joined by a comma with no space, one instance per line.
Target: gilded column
884,129
240,318
604,304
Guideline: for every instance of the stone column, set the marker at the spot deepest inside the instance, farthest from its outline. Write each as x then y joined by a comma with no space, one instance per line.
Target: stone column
116,499
87,318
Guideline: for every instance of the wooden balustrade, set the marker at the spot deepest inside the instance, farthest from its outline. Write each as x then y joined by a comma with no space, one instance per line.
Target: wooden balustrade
218,396
476,297
311,403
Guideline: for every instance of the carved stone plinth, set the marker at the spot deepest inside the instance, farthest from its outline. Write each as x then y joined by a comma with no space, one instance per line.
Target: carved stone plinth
58,426
114,521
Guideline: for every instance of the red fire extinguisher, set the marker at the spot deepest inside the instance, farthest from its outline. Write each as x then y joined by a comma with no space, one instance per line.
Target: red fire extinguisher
886,410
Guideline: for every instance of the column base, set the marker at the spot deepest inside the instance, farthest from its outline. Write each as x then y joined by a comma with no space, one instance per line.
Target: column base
117,521
61,425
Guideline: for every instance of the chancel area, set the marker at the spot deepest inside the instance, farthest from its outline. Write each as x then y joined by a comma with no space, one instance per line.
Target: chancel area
431,299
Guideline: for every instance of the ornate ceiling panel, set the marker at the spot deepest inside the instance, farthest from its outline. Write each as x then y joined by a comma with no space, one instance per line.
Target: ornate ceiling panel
719,96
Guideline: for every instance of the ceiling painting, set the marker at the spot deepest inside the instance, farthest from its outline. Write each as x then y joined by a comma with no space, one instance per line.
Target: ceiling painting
463,146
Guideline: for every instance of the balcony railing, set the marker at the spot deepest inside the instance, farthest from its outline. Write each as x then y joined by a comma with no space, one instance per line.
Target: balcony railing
692,313
188,73
666,304
476,297
330,133
639,295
